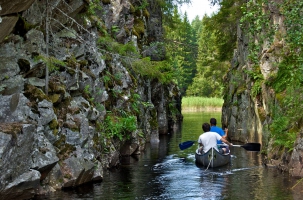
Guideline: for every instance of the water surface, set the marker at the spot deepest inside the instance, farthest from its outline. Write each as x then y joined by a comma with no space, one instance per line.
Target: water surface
163,171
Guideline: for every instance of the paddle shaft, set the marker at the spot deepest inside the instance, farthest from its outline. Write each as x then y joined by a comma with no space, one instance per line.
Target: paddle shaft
250,146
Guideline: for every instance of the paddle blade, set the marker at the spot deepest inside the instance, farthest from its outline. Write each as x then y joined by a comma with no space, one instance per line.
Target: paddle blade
252,146
185,145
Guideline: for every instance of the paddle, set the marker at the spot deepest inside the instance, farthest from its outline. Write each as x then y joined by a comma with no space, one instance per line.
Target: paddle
250,146
185,145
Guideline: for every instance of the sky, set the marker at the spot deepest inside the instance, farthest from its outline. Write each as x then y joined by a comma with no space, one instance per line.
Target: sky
198,7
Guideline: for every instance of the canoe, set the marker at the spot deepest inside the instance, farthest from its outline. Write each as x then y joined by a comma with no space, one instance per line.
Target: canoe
212,158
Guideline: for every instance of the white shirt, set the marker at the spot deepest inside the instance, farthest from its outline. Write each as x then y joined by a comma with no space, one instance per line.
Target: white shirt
208,140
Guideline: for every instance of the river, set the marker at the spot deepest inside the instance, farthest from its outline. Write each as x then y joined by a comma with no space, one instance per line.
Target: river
163,171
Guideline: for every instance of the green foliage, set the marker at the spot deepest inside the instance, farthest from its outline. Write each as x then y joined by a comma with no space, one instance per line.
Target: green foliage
110,46
279,131
181,46
292,10
86,89
118,127
258,26
208,81
115,29
52,62
224,26
257,79
288,81
142,6
93,6
160,70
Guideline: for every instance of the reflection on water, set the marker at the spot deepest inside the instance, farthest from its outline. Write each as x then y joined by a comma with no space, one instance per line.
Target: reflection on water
163,171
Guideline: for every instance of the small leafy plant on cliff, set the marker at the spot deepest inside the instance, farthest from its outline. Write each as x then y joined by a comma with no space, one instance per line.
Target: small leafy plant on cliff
118,126
257,79
52,62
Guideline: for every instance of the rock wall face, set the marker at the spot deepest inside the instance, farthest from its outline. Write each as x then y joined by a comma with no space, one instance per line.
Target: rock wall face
249,113
246,113
63,131
240,109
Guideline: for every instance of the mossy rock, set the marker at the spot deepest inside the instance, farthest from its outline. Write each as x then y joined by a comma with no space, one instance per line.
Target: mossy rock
54,98
83,63
146,13
53,124
139,27
241,89
11,128
132,9
56,87
35,93
89,73
72,62
153,121
136,33
262,114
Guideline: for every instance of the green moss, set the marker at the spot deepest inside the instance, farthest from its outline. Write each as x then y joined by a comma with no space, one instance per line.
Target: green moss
72,62
65,151
56,87
83,63
241,89
280,96
60,142
146,13
54,97
35,93
153,120
139,28
136,33
262,114
132,9
54,125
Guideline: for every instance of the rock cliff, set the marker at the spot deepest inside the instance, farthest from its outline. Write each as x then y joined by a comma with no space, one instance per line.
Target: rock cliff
72,99
252,101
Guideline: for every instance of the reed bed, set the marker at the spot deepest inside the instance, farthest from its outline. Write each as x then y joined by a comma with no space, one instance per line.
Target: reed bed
193,104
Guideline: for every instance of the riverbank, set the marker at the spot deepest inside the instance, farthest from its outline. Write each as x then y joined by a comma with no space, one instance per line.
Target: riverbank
201,104
187,109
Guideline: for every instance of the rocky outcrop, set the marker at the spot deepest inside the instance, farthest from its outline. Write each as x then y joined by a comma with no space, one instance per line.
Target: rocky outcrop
8,14
249,108
93,109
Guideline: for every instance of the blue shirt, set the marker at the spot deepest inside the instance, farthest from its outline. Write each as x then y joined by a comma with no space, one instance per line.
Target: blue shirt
218,130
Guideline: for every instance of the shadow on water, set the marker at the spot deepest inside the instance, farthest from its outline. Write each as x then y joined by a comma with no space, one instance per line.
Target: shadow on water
163,171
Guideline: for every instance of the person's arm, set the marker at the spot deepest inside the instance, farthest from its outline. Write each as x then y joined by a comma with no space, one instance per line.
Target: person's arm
226,132
225,141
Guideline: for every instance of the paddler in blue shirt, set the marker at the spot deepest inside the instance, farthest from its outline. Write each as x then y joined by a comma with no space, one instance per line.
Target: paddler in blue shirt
214,128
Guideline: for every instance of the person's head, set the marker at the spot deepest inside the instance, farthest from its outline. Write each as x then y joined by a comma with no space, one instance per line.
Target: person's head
213,121
206,127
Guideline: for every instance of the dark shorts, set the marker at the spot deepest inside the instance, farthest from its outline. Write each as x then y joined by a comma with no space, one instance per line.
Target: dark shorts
221,151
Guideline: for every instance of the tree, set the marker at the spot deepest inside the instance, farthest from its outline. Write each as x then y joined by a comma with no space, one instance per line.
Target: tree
181,47
208,79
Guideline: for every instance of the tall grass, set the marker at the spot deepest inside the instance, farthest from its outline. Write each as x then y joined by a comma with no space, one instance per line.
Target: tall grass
201,104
